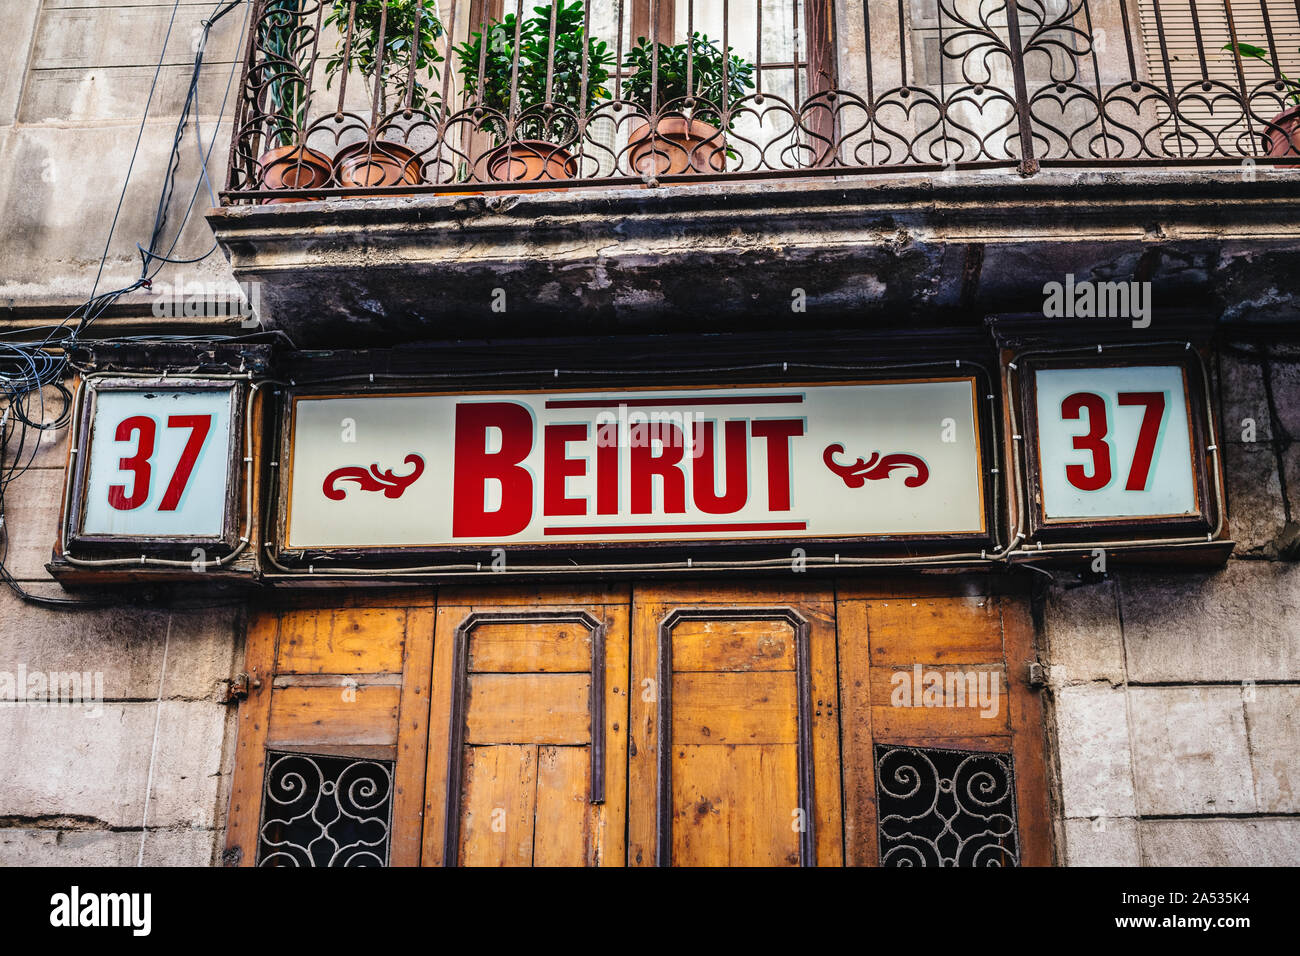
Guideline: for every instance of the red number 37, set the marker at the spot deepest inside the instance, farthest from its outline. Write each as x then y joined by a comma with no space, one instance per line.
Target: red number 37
1096,444
146,431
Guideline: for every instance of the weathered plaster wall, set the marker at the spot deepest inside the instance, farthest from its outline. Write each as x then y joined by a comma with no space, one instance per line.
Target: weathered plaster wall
147,777
1175,696
142,774
74,79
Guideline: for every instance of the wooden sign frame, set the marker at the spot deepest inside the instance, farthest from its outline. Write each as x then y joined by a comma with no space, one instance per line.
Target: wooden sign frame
1045,529
129,545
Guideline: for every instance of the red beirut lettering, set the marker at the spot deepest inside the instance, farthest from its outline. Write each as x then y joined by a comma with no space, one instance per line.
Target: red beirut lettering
705,463
475,466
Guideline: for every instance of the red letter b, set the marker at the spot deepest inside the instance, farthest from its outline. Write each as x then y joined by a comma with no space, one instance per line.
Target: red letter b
474,465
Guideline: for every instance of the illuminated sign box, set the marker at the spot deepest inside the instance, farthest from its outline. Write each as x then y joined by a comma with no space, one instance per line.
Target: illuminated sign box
437,471
156,465
1115,449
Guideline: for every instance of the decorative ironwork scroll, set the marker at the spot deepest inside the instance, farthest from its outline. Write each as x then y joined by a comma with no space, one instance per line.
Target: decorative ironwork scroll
945,807
325,811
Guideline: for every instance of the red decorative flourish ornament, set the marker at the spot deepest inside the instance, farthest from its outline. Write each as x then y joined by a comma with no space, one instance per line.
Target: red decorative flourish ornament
875,468
373,479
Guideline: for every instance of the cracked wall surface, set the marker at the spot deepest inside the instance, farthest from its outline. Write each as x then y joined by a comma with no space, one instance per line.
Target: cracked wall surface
141,775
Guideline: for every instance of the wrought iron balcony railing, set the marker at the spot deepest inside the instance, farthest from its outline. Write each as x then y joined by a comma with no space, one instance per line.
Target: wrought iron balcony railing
398,97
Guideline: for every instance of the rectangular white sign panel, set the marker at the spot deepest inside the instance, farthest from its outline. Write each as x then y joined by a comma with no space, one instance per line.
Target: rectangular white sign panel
898,458
1115,442
159,463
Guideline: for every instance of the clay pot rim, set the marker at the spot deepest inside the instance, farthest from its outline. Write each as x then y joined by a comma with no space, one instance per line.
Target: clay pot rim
703,144
382,147
368,152
1291,113
537,145
676,126
282,154
293,156
548,150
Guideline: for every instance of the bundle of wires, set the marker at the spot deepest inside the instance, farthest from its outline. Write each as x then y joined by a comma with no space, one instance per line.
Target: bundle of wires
25,375
29,368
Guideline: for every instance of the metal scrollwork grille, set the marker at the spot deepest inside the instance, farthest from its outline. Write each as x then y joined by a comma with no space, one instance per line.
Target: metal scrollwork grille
815,86
945,808
325,811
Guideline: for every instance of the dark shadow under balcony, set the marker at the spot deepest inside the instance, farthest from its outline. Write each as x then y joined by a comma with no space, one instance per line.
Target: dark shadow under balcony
859,252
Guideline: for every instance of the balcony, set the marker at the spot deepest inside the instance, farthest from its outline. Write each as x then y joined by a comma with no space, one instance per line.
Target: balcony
605,158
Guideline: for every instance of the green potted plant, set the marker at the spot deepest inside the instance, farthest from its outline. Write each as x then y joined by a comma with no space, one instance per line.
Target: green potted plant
531,132
1283,135
396,52
681,132
287,163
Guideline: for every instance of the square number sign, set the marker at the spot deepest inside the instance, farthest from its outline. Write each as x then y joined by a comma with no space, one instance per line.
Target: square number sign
159,464
1115,443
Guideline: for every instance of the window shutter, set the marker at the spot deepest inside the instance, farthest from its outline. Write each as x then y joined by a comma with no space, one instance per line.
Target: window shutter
1181,62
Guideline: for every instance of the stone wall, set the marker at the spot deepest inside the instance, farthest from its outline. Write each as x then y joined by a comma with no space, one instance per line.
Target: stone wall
143,774
1175,695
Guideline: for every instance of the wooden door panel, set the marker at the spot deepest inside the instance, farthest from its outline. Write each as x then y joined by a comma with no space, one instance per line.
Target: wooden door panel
540,648
563,782
528,709
498,806
346,715
965,630
917,676
735,747
345,682
530,728
732,805
720,646
342,641
741,708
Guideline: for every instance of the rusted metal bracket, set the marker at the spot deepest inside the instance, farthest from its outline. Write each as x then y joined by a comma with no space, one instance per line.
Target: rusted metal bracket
236,688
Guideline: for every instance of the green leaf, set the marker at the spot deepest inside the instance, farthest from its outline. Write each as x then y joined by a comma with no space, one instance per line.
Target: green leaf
1248,49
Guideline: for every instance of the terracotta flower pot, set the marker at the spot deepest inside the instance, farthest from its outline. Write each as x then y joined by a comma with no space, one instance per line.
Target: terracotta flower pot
530,161
369,165
293,167
679,146
1285,140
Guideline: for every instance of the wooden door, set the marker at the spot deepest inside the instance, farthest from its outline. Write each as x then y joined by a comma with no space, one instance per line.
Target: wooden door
528,752
330,757
734,755
689,724
943,737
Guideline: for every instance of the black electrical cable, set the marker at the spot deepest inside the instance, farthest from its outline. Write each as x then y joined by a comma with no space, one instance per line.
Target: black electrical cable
135,152
190,107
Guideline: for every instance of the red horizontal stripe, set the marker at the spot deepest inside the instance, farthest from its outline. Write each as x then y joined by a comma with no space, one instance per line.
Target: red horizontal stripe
663,402
682,528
